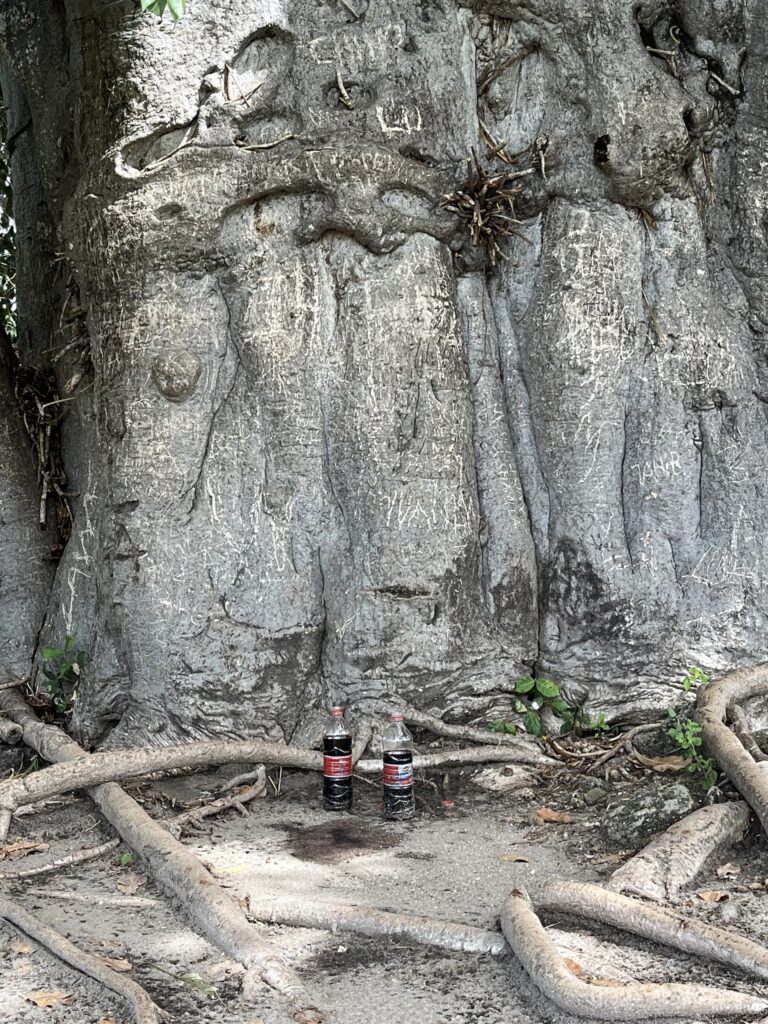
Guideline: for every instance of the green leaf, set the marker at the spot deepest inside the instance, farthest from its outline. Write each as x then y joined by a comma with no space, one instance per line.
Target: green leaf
51,653
524,685
177,8
532,723
69,643
547,688
559,706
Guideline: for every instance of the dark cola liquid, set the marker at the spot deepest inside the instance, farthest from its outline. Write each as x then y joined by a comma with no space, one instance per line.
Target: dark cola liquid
399,799
337,773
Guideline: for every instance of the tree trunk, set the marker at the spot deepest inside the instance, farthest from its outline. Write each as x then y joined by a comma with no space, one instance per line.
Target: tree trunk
331,449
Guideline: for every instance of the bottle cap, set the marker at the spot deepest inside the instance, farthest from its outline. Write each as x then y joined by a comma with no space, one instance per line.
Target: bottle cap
337,712
396,716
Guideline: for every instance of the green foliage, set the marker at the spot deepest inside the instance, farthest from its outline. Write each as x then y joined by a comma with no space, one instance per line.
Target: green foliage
533,696
126,859
175,7
694,677
62,669
687,733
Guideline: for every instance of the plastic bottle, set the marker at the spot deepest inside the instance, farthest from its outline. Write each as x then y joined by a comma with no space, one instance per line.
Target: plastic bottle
337,763
397,746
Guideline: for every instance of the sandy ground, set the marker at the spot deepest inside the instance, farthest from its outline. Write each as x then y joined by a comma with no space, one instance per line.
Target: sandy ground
458,867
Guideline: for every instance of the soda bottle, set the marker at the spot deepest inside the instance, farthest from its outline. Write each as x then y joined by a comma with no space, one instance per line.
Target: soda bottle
337,763
397,745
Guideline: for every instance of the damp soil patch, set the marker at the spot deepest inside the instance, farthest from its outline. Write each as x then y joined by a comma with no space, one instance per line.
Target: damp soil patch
331,844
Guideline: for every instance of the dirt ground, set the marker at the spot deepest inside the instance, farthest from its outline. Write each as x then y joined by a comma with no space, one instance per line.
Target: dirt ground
457,865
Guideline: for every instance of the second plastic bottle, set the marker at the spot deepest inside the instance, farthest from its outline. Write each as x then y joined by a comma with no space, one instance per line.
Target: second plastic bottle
397,746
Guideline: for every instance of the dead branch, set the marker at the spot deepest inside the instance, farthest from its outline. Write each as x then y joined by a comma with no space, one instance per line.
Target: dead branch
174,867
11,684
740,726
446,758
594,903
674,858
144,1010
10,733
78,857
96,899
711,708
539,957
624,742
194,816
95,769
529,752
334,917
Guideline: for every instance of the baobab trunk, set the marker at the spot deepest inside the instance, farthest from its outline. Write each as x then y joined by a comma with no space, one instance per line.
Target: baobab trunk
330,447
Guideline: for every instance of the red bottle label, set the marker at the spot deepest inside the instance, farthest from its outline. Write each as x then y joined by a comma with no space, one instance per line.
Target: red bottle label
337,767
398,775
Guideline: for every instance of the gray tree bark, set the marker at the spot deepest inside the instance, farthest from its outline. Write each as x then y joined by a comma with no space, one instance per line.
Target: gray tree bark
330,450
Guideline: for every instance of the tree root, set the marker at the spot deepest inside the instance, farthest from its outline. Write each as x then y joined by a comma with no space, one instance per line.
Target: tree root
522,750
537,954
593,902
10,733
740,726
446,758
748,777
79,857
674,858
195,815
427,931
95,769
174,867
144,1010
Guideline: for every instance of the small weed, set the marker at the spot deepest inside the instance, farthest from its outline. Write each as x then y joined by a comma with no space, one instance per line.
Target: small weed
126,859
687,734
61,669
533,697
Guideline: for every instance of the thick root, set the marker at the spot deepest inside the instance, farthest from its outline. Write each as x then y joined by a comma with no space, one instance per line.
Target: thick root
539,957
740,726
175,868
447,758
95,769
674,858
593,902
712,705
426,931
144,1010
10,733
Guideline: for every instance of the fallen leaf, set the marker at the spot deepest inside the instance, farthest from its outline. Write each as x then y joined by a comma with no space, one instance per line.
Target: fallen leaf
130,882
121,966
711,896
667,763
573,967
20,946
728,871
21,848
547,814
48,999
514,858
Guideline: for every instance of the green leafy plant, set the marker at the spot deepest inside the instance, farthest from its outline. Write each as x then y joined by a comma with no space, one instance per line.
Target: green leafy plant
175,7
126,859
533,697
61,669
687,733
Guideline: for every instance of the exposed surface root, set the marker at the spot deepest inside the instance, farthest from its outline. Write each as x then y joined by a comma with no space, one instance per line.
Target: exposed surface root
195,815
10,733
144,1010
674,858
94,769
538,955
174,867
593,902
748,777
78,857
427,931
740,726
446,758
